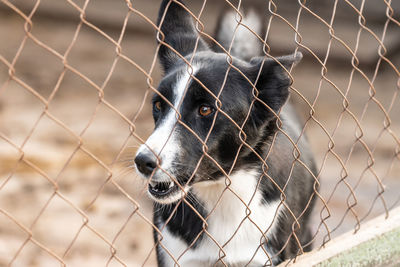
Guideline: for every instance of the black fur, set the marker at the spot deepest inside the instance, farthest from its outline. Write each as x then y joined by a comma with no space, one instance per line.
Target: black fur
176,20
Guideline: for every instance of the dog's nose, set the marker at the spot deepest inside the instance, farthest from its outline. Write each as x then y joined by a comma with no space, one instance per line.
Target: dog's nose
146,163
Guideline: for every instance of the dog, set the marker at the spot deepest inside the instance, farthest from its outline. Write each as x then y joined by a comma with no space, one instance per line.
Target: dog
229,186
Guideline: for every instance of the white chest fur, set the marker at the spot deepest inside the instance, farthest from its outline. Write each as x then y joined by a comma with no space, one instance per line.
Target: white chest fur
235,231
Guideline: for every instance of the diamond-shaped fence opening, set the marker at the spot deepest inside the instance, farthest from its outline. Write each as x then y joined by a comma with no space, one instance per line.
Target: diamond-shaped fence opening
76,81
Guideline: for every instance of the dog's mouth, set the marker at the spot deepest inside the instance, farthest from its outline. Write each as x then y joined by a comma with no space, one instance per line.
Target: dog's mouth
162,189
167,192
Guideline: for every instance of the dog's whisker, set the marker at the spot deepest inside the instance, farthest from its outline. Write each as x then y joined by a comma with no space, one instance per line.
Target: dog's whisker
126,160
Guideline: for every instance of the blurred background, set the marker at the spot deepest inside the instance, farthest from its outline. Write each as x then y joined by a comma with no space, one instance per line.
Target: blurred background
75,87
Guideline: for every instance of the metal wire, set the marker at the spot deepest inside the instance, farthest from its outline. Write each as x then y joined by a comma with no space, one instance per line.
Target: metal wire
349,177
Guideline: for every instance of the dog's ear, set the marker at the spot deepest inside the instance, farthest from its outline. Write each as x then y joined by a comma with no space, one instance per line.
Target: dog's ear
272,84
179,32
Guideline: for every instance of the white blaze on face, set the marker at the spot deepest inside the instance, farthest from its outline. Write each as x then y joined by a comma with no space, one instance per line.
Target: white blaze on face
163,141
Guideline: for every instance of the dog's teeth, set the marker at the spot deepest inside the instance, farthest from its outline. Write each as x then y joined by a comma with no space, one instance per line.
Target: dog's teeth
171,185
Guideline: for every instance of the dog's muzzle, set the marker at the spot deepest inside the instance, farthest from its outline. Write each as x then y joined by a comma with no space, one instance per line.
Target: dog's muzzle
161,187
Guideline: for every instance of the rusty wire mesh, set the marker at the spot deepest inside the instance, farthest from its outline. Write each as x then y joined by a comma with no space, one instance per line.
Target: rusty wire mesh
75,78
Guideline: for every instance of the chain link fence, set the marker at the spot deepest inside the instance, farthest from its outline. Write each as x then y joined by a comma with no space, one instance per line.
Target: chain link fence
76,78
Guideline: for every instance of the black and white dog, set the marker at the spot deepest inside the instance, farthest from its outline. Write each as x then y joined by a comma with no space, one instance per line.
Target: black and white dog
224,196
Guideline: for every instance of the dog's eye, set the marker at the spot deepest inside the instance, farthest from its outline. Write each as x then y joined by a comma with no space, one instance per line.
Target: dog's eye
205,110
157,106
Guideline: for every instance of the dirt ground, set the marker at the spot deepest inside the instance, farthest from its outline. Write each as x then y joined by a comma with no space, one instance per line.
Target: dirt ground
76,195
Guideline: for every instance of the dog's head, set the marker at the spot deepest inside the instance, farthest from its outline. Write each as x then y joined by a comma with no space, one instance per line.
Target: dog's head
205,109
